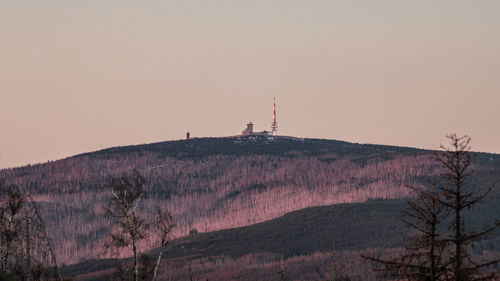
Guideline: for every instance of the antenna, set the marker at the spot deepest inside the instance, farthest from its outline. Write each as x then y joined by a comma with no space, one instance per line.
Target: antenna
274,125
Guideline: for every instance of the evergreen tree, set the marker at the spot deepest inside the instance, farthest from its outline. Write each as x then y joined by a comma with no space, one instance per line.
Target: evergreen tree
438,252
458,195
423,257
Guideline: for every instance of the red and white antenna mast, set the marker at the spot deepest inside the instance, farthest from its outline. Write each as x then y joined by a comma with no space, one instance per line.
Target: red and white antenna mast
274,126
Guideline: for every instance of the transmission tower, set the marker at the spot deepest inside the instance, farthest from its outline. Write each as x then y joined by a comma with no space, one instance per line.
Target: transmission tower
274,125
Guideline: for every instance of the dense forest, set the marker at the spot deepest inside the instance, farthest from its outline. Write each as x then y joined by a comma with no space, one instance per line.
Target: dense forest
211,184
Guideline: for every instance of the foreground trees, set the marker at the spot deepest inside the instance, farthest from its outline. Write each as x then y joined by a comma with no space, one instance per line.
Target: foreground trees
131,227
25,249
457,194
442,248
423,256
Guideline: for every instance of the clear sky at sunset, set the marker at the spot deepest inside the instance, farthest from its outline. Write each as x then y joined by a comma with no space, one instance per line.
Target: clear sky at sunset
78,76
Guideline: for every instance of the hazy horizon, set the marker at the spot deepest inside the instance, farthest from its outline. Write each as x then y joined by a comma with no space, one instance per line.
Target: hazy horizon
82,76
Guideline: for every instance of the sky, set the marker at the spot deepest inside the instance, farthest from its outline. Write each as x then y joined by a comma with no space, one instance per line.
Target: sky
79,76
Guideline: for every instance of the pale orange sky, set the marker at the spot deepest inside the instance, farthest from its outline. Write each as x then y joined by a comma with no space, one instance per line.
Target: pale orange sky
78,76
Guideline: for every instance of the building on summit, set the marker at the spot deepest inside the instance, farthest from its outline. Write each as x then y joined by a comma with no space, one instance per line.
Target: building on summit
274,127
249,131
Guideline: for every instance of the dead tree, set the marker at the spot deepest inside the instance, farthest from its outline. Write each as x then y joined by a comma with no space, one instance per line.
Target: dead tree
130,226
437,253
24,244
164,225
423,256
458,195
44,240
11,223
283,272
189,263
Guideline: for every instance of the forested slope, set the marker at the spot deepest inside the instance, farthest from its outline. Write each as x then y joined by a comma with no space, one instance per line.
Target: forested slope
307,238
216,183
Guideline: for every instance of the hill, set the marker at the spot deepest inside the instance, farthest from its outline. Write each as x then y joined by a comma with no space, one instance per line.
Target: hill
340,228
211,184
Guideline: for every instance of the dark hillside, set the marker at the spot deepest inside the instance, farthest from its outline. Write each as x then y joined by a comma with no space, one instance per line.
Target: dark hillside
303,232
347,226
342,228
202,147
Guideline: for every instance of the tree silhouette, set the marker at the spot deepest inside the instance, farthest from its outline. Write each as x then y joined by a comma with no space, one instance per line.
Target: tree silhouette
25,249
423,256
131,227
458,195
437,252
164,225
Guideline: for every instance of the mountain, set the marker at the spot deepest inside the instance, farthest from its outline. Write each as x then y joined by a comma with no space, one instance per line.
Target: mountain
211,184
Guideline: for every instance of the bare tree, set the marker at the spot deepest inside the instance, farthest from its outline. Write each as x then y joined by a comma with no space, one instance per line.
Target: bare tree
423,256
458,195
437,253
283,272
127,194
11,222
164,225
131,228
189,263
25,247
